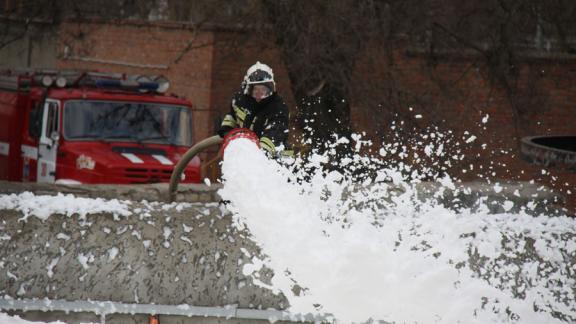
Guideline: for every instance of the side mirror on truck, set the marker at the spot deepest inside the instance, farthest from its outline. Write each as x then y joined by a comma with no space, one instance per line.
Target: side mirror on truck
55,137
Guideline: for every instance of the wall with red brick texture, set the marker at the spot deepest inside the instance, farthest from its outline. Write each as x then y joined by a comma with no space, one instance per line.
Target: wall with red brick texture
208,74
451,93
455,94
146,49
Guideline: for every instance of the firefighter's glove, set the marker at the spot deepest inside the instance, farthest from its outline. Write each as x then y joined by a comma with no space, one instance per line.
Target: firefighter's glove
267,145
224,130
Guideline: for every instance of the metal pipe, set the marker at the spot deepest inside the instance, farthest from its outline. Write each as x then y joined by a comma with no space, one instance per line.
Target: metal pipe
186,158
108,308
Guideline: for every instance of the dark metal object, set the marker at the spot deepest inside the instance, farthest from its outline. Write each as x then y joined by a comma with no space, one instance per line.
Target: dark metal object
550,151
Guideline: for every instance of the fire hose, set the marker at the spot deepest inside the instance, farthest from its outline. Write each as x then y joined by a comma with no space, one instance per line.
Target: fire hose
186,158
201,146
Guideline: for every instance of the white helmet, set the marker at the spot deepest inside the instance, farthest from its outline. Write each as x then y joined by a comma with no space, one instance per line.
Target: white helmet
258,74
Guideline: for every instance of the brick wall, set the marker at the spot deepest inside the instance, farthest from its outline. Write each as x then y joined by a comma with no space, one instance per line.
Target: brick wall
146,49
455,94
451,93
208,74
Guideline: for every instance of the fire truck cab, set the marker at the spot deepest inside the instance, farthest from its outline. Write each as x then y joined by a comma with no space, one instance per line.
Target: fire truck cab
85,127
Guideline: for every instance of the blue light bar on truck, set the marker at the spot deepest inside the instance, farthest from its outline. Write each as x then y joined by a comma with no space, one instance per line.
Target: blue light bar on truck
127,84
152,86
23,79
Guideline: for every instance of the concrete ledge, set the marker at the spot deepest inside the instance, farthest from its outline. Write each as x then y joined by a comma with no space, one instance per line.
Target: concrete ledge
177,254
193,193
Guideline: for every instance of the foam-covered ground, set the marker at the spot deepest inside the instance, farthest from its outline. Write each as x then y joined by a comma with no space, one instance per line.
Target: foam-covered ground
359,248
362,253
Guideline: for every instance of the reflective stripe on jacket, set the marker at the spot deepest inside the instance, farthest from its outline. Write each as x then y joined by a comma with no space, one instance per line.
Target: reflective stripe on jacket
268,119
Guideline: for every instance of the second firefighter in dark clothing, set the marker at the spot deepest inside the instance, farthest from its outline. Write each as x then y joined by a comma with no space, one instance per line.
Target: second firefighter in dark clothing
259,108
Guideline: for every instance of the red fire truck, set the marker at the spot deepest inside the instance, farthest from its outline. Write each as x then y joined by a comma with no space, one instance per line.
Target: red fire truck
85,127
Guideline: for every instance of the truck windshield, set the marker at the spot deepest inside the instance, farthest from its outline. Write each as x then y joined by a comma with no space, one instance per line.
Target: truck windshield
127,121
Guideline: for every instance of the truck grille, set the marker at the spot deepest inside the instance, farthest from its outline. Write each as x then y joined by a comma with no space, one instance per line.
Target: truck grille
143,175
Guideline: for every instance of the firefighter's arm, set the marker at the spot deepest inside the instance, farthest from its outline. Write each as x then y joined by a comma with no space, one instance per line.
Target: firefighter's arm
275,133
229,121
227,125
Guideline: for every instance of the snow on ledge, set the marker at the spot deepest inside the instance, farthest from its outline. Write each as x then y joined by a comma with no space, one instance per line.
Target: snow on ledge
42,206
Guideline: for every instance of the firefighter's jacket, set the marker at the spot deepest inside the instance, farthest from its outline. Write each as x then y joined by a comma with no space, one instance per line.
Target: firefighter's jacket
268,119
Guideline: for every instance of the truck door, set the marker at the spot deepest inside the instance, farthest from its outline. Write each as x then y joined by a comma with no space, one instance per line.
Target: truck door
48,146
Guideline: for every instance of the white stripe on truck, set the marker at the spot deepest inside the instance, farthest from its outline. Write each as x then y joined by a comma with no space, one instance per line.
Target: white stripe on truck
162,159
30,152
4,148
133,158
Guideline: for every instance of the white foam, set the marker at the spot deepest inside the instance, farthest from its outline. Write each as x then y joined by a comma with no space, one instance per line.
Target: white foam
366,253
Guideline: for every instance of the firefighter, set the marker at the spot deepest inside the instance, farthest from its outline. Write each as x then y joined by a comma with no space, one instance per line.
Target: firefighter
259,108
